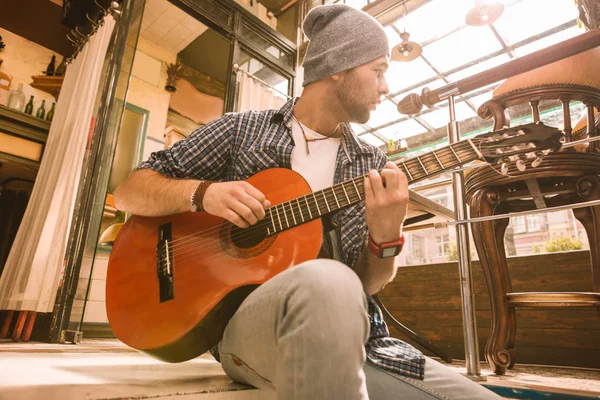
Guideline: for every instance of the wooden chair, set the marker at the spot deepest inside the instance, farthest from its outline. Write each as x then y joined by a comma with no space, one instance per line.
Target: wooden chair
566,177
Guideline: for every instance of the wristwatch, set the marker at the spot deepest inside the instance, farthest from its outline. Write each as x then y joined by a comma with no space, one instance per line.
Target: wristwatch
388,249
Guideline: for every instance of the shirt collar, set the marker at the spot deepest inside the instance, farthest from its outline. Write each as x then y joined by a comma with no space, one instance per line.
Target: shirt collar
351,142
284,114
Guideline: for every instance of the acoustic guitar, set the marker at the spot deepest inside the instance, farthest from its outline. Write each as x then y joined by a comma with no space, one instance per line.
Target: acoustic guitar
174,282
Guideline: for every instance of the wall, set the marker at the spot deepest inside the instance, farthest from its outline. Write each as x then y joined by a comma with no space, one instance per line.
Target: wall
147,86
426,298
22,60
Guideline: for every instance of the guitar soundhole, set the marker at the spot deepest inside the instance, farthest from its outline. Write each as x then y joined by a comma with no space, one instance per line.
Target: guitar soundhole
245,243
247,238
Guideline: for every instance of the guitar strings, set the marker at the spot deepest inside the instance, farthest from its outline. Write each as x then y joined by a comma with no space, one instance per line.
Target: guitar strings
242,233
176,244
450,157
327,195
201,246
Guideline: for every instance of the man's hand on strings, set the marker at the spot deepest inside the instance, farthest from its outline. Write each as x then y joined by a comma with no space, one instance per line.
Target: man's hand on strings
238,202
386,199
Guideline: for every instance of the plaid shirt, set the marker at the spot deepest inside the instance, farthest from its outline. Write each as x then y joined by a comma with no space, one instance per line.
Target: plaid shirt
239,145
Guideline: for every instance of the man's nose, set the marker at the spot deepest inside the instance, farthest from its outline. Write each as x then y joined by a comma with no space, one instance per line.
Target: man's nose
384,90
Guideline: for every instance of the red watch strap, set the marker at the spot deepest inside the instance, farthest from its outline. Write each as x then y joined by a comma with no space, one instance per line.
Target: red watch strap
377,249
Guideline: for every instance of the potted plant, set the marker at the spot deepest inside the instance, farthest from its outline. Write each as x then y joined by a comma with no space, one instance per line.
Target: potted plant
173,74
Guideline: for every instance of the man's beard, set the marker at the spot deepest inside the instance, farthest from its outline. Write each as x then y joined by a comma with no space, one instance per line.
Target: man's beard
350,97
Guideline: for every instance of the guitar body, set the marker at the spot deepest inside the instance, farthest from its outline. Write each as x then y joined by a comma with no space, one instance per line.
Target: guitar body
211,272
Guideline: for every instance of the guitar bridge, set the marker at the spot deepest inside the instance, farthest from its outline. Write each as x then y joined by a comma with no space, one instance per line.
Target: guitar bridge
164,263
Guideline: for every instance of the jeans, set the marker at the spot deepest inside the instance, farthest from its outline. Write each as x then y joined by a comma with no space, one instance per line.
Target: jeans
301,336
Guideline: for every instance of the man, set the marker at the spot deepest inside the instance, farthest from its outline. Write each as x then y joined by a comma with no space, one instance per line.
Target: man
303,333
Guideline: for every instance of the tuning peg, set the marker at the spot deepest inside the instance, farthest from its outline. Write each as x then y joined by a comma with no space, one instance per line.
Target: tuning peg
535,163
521,166
504,169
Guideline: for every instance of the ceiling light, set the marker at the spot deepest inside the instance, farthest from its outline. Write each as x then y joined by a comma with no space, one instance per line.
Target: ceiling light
406,50
484,12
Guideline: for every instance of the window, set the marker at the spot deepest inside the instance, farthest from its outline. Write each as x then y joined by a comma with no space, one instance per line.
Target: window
440,195
418,246
443,242
518,224
534,223
454,51
442,200
527,223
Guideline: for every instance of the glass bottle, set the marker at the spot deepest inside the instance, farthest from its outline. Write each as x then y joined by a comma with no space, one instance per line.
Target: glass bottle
50,115
16,100
29,106
41,112
61,69
50,68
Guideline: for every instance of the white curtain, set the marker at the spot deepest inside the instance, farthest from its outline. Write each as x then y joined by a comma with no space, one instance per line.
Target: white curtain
253,95
35,264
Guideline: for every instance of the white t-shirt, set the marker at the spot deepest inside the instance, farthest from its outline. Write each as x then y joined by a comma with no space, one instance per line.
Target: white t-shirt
318,167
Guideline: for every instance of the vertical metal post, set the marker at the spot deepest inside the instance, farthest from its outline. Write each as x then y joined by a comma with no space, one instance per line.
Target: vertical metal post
464,260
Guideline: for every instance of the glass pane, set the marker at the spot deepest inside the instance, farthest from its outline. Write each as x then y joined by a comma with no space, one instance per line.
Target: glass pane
266,46
440,117
403,129
263,72
357,128
392,35
530,17
434,19
385,112
371,139
358,4
477,101
431,86
468,44
88,306
287,23
215,12
403,74
479,67
251,91
205,74
548,41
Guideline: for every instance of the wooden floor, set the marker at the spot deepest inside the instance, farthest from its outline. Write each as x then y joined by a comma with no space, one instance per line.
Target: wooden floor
107,369
563,382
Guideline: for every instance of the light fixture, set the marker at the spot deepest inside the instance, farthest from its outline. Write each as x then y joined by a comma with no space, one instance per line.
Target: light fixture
484,12
406,50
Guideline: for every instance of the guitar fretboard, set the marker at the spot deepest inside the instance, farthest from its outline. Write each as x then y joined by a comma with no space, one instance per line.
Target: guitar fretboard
317,204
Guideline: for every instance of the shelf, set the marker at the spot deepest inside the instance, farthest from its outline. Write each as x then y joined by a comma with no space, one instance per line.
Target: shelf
391,153
48,84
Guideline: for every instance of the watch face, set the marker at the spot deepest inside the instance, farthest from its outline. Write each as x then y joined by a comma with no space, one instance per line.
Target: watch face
389,252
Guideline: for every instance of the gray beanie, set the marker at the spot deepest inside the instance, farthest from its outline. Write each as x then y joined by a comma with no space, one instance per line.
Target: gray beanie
341,38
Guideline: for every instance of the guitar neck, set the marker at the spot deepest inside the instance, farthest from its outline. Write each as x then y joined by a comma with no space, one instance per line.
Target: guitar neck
317,204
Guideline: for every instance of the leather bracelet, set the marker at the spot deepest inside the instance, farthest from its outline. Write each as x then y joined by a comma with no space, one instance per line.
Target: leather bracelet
198,196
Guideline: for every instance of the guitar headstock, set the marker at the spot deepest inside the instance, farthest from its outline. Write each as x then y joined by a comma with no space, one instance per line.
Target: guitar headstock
519,143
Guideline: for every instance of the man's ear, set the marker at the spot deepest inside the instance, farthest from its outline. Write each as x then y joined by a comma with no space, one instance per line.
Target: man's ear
337,77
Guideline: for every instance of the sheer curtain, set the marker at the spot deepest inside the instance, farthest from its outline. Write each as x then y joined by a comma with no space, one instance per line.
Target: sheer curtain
253,95
35,264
